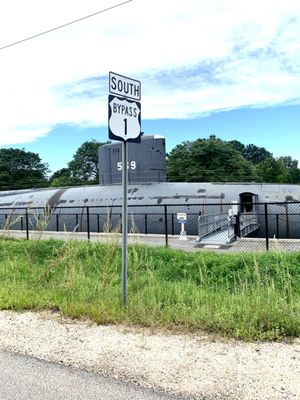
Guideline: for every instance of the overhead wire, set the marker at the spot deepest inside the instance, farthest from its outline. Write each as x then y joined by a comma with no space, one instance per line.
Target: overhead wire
64,25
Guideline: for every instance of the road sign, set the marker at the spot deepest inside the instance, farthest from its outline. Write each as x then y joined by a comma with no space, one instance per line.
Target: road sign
123,86
124,123
181,217
124,119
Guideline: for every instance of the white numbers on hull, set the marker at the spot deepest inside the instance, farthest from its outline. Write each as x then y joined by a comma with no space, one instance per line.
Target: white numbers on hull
130,165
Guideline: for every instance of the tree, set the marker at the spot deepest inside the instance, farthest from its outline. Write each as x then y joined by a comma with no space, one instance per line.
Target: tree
62,177
176,162
237,145
84,166
280,170
208,160
255,154
252,153
292,169
20,169
272,171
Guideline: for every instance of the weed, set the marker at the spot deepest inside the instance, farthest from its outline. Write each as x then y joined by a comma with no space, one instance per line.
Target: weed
245,296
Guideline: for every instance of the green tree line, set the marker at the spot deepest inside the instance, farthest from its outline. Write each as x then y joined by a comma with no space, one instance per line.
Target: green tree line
216,160
202,160
20,169
83,169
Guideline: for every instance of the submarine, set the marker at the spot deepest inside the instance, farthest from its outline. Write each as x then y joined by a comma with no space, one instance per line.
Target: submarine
153,203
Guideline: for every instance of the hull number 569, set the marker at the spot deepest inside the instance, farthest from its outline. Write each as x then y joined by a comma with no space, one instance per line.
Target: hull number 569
130,165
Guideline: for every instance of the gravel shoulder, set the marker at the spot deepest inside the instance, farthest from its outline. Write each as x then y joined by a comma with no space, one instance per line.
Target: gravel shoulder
197,366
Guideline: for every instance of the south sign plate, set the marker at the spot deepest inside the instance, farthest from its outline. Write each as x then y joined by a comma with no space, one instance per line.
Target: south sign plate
123,86
124,119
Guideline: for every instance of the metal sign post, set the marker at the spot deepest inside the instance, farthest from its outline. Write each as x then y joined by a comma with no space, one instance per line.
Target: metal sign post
124,124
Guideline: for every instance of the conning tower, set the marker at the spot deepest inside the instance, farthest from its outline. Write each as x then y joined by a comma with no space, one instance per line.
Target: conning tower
146,161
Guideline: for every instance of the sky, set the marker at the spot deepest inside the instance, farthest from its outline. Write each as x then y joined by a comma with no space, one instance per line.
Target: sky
228,68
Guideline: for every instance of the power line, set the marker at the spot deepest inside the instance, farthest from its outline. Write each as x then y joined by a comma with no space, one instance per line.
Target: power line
64,25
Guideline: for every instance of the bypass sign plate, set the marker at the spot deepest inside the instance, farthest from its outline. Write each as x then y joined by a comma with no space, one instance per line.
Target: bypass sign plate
124,119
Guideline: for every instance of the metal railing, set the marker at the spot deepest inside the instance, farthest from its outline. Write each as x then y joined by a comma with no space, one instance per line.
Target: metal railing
208,224
248,223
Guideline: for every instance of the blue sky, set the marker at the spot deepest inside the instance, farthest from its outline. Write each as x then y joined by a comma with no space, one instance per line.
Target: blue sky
276,128
218,67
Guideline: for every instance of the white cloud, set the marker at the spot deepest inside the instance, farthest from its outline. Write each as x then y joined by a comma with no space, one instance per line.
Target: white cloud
193,57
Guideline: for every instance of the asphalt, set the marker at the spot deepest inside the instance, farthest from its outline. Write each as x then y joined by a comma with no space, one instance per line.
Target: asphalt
26,378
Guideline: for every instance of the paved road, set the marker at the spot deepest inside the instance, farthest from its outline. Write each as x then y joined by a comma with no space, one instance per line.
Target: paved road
26,378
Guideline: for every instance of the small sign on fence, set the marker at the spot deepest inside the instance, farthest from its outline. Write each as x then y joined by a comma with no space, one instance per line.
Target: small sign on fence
181,217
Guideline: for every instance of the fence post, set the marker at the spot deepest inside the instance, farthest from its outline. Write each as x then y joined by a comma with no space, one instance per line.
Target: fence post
277,226
22,224
98,223
267,226
88,222
27,224
76,223
173,231
57,223
237,225
166,225
287,224
146,224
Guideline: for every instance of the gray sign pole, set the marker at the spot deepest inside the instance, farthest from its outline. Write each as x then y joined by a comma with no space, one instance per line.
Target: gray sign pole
124,222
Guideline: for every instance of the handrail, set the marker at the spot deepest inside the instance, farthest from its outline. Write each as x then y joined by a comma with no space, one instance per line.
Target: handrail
208,224
211,223
248,223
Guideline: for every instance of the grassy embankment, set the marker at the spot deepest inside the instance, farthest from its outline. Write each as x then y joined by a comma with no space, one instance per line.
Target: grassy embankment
248,296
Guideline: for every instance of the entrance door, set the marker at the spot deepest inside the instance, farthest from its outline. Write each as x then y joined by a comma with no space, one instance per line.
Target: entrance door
248,201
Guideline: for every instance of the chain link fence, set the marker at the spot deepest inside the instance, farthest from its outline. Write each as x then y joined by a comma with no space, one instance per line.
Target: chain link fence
231,227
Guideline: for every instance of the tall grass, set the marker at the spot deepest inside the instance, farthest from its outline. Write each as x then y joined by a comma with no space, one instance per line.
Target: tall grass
248,296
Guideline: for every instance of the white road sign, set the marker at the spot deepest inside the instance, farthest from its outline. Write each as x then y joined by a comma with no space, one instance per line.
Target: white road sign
124,119
181,217
123,86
